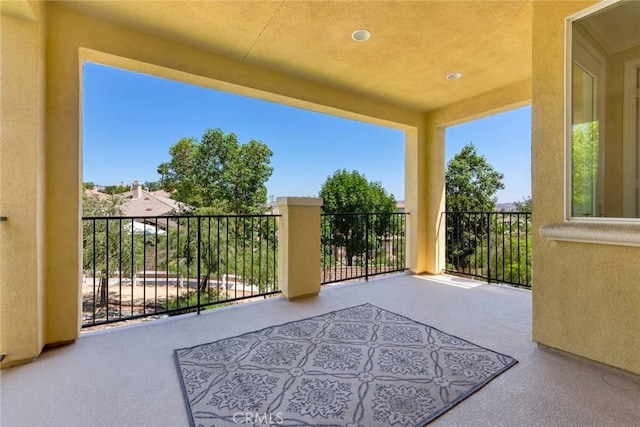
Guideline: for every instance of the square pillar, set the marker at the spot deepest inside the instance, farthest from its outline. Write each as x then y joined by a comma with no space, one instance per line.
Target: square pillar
299,246
22,155
425,197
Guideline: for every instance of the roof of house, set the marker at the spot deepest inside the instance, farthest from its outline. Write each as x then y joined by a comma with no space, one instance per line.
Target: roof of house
150,203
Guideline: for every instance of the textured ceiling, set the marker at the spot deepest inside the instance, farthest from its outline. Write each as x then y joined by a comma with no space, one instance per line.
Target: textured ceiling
617,27
414,44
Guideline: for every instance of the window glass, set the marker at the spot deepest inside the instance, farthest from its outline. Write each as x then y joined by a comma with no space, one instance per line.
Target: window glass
604,144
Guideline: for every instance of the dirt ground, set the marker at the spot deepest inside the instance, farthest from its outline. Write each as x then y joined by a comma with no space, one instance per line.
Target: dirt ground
127,301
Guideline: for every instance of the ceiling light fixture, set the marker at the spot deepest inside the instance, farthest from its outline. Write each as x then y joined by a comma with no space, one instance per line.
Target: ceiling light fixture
454,76
361,35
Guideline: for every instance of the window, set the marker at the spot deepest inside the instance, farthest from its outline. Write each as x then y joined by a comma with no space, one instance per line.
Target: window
603,112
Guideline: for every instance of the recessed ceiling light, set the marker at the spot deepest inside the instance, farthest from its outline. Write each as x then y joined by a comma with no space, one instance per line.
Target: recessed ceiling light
454,76
361,35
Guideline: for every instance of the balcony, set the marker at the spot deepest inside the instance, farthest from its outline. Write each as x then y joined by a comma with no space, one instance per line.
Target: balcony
127,376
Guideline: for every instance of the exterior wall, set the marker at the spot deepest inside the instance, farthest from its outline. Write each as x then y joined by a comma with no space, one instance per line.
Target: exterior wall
586,297
22,151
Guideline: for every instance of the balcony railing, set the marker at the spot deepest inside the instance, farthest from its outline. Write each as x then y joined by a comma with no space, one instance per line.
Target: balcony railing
147,266
495,246
361,245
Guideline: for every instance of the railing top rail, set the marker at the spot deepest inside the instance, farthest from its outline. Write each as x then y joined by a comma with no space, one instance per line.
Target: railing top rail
363,213
177,217
487,212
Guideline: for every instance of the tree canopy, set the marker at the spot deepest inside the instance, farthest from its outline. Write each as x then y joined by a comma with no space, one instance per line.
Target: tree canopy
584,168
345,192
471,185
101,205
523,205
219,172
471,182
116,189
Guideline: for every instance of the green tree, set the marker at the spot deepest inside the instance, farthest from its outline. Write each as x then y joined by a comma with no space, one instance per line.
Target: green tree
471,182
523,205
116,189
163,171
153,185
506,255
101,205
350,192
347,192
584,168
219,249
471,185
219,172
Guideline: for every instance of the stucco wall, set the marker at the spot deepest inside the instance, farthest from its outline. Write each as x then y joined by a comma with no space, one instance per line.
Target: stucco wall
298,246
21,182
586,297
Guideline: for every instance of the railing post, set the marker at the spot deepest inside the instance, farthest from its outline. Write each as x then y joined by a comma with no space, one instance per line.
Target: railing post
488,247
198,236
366,247
299,246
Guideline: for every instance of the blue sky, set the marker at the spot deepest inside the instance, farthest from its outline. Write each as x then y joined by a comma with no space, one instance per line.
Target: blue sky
130,120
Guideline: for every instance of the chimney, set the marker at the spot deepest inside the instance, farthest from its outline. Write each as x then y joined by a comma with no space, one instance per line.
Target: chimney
136,190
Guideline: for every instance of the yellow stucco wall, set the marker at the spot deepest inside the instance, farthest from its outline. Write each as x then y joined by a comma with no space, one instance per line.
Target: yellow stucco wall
21,182
586,297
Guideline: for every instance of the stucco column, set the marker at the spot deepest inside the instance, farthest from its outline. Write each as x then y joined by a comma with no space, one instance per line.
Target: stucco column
22,151
299,246
424,197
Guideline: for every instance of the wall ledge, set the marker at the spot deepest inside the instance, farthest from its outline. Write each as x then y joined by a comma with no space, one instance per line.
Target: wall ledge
299,201
604,234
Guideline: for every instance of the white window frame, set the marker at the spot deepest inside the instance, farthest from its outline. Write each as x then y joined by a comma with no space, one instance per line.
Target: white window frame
568,108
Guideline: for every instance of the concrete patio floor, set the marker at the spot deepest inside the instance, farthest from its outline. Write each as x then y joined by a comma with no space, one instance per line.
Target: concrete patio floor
127,376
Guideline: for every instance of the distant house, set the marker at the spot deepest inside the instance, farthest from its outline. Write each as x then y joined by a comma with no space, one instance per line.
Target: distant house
139,202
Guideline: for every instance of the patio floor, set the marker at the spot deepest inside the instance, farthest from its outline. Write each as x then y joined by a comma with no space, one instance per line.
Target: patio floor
127,376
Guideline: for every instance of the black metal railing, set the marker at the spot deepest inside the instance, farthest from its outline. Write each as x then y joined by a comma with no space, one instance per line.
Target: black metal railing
361,245
495,246
147,266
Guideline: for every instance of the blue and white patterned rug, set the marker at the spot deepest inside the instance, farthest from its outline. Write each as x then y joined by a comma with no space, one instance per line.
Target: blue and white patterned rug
361,366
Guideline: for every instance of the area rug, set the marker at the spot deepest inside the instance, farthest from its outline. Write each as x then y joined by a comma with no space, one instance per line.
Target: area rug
358,367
